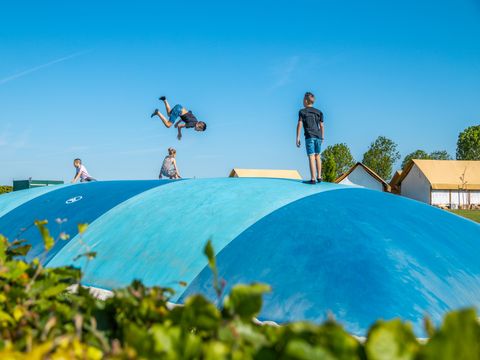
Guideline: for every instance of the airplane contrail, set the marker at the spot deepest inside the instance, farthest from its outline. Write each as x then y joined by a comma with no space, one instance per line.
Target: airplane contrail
36,68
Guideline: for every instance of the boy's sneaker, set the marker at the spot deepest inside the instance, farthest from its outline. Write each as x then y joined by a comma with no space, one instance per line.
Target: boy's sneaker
312,182
154,113
163,98
319,180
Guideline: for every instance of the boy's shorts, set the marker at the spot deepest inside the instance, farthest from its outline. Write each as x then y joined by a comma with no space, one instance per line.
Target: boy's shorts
175,113
313,146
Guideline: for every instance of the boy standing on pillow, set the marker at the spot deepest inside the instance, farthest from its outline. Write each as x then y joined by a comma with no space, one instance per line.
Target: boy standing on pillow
312,121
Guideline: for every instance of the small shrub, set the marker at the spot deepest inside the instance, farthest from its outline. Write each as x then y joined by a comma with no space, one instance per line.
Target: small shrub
5,189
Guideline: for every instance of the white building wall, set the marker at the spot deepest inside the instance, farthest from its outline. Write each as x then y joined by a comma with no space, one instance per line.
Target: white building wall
416,186
459,197
455,197
440,197
361,177
475,197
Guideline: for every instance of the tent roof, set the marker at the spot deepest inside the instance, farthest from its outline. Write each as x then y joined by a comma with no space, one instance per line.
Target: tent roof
372,173
447,174
265,173
395,182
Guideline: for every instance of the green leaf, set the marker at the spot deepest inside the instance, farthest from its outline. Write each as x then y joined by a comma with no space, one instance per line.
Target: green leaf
14,270
3,248
210,254
82,228
391,340
55,290
429,327
212,264
200,314
215,350
333,337
458,338
301,350
5,318
246,333
164,339
48,240
18,248
246,300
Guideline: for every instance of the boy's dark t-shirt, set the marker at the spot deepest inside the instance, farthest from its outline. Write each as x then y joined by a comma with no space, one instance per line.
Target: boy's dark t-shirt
311,119
189,119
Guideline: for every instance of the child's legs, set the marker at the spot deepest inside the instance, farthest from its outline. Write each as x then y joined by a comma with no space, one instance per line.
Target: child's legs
318,161
166,122
167,107
172,174
311,163
175,112
313,152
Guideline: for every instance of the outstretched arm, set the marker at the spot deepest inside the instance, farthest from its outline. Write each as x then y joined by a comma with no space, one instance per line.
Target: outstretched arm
75,179
179,127
299,128
176,168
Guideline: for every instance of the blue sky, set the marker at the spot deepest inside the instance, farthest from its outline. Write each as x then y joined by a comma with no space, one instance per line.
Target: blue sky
80,79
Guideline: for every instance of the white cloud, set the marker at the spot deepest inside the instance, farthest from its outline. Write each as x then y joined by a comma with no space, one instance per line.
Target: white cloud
42,66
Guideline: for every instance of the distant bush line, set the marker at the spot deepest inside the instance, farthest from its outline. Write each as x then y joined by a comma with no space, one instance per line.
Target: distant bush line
5,189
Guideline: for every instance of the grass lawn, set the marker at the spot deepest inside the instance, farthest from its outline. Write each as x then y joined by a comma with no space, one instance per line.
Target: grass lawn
469,214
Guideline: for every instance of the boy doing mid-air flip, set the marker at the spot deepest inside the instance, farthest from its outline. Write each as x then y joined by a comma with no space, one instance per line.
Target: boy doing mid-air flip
187,119
312,121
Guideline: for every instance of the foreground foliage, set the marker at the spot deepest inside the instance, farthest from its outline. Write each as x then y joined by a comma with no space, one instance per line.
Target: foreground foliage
41,319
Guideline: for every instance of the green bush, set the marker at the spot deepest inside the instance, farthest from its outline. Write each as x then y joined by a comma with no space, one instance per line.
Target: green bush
40,318
5,189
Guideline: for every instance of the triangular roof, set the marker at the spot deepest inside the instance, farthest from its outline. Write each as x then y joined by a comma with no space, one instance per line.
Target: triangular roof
265,173
446,174
396,177
395,182
372,173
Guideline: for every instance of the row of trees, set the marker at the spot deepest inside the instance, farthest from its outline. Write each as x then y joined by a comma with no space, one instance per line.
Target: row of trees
383,153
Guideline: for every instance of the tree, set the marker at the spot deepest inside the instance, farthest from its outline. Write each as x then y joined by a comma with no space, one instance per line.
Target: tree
341,156
420,154
329,169
468,144
440,155
417,154
381,155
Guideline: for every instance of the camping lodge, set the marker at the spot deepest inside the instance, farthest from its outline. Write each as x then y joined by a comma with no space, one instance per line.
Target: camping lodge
443,183
361,175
